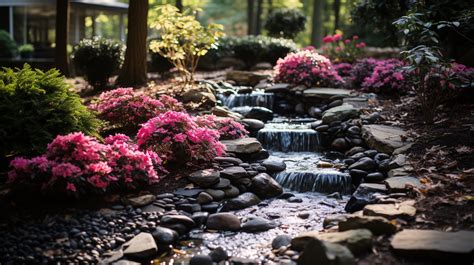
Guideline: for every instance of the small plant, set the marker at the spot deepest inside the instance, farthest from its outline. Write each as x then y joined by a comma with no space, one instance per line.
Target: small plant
8,48
286,23
228,128
26,50
389,76
76,164
183,39
177,139
307,68
98,59
339,50
125,109
36,106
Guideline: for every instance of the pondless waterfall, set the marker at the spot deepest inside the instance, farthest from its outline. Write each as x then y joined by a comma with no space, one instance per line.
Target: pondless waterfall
259,99
289,138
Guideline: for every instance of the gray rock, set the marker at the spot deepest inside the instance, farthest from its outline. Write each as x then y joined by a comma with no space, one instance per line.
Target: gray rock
364,163
228,159
139,201
391,211
334,220
222,184
217,195
327,253
223,221
374,177
265,186
205,178
201,260
259,113
243,145
219,254
246,78
234,173
200,218
364,194
243,261
142,246
168,220
231,192
253,124
315,112
402,184
165,236
278,88
354,150
188,192
339,144
242,201
325,93
273,166
340,113
281,241
376,225
257,224
204,198
383,138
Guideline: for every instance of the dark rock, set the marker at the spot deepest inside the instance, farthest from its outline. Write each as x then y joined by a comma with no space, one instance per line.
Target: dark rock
315,112
234,173
217,195
232,160
188,207
354,150
380,157
335,103
210,207
354,130
200,218
303,215
253,124
322,128
164,236
223,221
374,177
349,161
371,153
218,255
265,186
188,192
222,184
325,253
177,219
205,178
294,200
257,224
281,241
358,156
242,201
365,194
339,144
365,163
204,198
273,166
231,192
286,195
201,260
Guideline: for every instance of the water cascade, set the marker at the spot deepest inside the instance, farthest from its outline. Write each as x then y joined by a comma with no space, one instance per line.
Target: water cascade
287,137
255,98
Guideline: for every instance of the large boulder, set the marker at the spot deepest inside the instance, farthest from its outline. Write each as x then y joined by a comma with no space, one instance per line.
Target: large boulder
340,113
245,78
326,93
201,95
142,246
243,145
265,186
383,138
242,201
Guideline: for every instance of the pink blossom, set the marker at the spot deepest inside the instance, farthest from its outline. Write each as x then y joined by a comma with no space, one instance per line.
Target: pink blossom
328,39
347,41
355,37
337,37
71,187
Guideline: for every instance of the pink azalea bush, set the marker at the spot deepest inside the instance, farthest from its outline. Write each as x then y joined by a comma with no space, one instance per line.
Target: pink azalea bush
342,50
78,164
126,109
178,139
361,69
307,68
228,128
343,69
389,77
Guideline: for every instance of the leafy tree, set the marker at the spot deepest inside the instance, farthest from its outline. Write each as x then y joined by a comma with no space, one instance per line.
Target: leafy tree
286,23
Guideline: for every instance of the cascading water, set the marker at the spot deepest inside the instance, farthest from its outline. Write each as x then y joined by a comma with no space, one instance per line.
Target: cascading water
286,137
255,98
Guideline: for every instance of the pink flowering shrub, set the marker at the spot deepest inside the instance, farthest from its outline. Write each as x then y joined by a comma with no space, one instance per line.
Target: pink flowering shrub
361,69
177,139
342,50
126,109
78,164
343,69
228,128
307,68
388,77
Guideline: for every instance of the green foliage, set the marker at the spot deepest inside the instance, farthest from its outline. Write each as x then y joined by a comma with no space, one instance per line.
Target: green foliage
8,47
285,23
36,106
183,39
26,50
98,59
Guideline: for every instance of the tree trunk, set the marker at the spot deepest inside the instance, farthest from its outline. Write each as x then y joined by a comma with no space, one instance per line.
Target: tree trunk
337,9
317,23
250,17
258,18
133,72
179,5
62,24
270,6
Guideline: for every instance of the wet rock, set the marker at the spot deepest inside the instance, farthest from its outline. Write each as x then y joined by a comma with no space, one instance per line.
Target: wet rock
234,173
242,201
188,192
189,208
278,88
321,252
340,113
204,198
286,195
232,160
223,221
380,157
164,236
354,150
364,163
354,130
294,200
358,240
281,241
217,195
205,178
303,215
260,113
274,166
339,144
383,138
142,246
377,225
335,195
365,194
374,177
402,184
222,184
168,220
201,260
245,78
325,93
257,224
315,112
265,186
210,207
391,211
139,201
437,246
253,125
231,192
243,145
219,254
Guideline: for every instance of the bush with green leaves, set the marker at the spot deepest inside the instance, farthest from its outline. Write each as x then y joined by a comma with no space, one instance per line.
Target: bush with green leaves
26,50
98,59
35,106
8,47
285,23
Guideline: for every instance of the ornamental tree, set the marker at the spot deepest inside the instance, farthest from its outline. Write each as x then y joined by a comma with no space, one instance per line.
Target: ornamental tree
183,39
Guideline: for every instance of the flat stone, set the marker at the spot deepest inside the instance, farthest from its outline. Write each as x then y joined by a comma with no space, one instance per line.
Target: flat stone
231,192
357,240
217,195
400,172
242,201
142,246
326,93
257,224
222,184
327,253
188,192
449,247
383,138
376,224
243,145
139,201
278,88
340,113
201,260
246,78
402,184
205,178
234,173
391,211
223,221
227,159
334,220
253,124
273,166
357,102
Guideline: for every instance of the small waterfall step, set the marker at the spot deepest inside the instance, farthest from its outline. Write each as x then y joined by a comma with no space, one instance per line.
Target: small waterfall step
285,137
254,99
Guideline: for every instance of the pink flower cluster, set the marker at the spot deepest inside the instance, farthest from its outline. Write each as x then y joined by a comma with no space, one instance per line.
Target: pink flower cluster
307,68
339,50
362,69
79,164
343,69
388,76
126,109
177,138
228,128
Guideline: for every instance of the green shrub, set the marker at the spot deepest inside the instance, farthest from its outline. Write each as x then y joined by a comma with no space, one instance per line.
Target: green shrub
26,50
286,23
98,59
36,106
8,47
277,48
255,49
